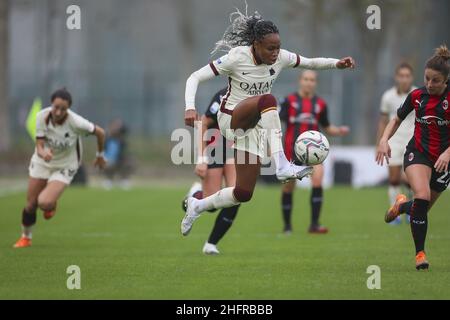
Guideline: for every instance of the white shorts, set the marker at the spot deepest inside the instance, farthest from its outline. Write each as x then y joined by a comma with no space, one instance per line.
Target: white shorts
39,171
252,141
397,153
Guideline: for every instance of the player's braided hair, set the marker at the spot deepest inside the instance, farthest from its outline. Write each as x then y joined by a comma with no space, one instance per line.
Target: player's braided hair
440,61
244,30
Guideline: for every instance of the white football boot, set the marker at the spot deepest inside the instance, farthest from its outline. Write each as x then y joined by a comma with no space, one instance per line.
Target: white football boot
293,172
196,186
210,249
190,216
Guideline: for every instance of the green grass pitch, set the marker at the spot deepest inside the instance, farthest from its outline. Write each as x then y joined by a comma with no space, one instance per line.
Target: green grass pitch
128,246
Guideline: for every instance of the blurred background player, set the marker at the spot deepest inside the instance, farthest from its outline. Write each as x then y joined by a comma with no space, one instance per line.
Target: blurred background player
117,155
427,156
302,111
215,163
392,99
56,158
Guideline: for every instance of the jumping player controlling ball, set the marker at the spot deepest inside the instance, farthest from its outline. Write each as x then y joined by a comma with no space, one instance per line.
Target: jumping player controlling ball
248,111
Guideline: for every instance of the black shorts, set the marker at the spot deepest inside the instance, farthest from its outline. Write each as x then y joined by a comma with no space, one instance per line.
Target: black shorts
218,161
439,181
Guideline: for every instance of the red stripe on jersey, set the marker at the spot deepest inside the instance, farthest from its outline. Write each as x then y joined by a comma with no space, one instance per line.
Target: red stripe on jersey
225,99
434,137
322,105
214,69
415,95
307,108
290,128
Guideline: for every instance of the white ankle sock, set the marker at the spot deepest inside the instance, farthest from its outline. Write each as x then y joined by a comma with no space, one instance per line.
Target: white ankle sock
393,191
270,120
222,199
26,232
280,160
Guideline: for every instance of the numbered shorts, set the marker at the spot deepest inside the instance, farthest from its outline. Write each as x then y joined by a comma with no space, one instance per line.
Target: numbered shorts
439,181
39,171
252,141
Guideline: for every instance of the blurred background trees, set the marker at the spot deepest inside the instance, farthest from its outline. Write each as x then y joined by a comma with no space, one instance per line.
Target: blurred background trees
131,59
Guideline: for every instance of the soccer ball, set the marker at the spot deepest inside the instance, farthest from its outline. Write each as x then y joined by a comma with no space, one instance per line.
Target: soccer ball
311,148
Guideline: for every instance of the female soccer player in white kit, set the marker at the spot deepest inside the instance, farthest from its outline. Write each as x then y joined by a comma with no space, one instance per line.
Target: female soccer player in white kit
56,158
392,99
248,113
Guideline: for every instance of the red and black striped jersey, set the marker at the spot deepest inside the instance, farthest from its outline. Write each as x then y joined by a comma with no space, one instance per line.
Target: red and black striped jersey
300,115
432,123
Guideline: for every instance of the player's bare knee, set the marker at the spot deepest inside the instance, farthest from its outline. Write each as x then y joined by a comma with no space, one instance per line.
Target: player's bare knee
267,102
45,204
242,195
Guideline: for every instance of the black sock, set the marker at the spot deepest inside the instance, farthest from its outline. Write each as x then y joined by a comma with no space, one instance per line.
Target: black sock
223,223
406,207
286,205
419,223
28,217
316,205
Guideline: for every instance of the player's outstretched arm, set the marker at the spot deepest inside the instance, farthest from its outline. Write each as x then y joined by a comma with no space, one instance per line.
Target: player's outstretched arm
203,74
326,63
336,131
100,161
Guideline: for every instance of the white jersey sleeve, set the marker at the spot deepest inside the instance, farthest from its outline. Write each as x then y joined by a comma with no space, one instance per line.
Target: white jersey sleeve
318,63
384,106
222,66
40,123
192,82
289,59
226,64
293,60
80,125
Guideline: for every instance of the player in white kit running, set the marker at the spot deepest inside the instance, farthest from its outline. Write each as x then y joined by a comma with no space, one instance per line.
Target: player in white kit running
248,112
56,158
392,99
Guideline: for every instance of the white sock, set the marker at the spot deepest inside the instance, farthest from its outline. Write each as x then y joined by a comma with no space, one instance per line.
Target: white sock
280,160
26,232
270,120
221,199
393,191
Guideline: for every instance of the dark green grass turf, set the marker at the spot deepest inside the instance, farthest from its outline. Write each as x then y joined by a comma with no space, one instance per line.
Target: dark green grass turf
128,245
